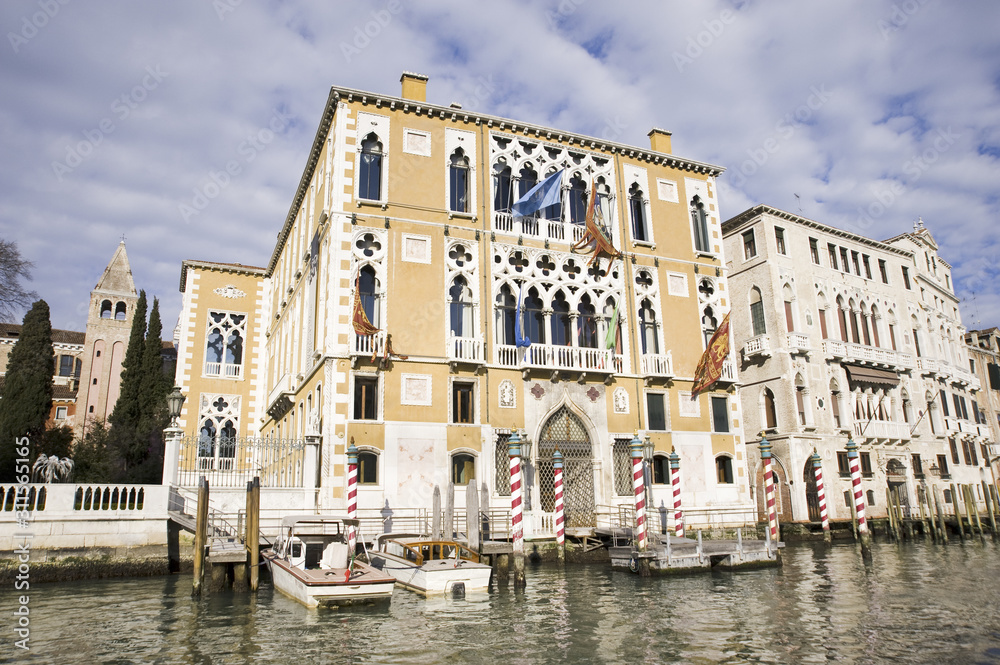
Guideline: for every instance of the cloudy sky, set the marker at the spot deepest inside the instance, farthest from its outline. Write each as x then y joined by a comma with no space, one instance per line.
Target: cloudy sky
861,114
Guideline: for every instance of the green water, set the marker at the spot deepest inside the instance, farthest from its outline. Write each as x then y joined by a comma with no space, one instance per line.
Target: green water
918,603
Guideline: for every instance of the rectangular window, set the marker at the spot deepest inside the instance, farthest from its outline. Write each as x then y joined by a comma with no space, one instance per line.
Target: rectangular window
882,271
800,405
814,250
779,240
789,321
833,255
844,261
965,410
656,412
757,318
975,412
822,324
843,464
906,277
965,452
365,398
994,372
944,404
461,403
866,465
61,412
621,458
918,467
958,406
65,365
942,461
868,266
954,449
749,245
720,414
857,266
367,468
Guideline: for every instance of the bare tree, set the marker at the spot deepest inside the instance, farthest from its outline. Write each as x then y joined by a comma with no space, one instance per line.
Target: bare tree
13,268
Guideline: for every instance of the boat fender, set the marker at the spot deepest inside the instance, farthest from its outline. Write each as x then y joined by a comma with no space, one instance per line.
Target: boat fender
633,565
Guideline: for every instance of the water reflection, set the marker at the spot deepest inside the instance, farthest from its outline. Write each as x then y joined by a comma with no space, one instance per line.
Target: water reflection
917,603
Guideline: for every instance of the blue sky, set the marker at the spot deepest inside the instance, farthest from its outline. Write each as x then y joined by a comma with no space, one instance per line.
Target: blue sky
861,114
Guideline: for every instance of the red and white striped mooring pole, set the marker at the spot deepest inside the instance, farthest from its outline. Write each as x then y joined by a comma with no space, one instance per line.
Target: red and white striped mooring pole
516,507
639,487
557,468
859,499
352,496
821,494
772,512
675,482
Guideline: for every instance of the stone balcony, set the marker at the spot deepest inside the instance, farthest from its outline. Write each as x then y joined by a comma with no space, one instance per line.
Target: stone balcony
657,365
536,227
575,359
798,343
465,350
867,355
757,346
882,430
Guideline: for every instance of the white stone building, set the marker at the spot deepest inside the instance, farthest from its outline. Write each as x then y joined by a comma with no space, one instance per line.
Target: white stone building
839,336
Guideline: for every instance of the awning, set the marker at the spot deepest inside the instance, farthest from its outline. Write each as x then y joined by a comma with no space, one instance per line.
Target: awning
879,377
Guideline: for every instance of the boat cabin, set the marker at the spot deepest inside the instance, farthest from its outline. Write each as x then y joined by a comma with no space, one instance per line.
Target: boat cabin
418,551
314,545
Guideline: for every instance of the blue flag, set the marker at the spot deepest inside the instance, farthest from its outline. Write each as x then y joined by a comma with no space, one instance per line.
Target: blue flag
540,196
520,339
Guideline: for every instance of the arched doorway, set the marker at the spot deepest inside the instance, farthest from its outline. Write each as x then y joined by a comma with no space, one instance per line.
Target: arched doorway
565,431
782,496
812,494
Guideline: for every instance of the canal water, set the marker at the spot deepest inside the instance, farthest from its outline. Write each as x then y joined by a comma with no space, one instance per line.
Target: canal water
918,603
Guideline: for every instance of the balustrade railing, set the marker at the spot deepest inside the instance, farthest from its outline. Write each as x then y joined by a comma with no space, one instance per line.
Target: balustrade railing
882,429
759,345
465,349
798,341
368,345
227,370
657,364
535,227
550,356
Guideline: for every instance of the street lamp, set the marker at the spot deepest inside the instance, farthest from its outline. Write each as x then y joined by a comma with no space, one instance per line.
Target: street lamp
525,447
175,400
647,452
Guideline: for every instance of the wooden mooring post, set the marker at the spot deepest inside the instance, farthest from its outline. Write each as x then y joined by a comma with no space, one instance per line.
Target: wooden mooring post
958,512
988,495
974,511
893,527
253,520
939,509
200,533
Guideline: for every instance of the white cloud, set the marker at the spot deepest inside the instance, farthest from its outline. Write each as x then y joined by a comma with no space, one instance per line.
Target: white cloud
736,82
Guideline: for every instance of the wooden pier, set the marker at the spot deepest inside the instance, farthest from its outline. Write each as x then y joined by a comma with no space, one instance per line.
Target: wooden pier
670,555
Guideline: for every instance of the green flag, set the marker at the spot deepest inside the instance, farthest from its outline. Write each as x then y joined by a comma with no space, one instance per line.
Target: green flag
609,341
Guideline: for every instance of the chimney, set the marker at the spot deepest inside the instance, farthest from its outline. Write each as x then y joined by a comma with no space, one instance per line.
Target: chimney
659,140
414,86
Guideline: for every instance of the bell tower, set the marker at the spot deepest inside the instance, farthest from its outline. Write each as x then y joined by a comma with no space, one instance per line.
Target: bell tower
109,324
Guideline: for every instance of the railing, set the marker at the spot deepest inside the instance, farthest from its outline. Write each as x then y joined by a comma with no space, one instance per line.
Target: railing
759,345
368,345
535,227
233,461
882,429
728,371
657,364
227,370
798,341
551,356
928,365
834,348
11,499
465,349
960,425
866,354
983,430
283,385
97,497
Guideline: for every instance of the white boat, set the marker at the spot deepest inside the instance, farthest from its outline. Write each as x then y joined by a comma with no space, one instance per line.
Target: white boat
310,562
430,566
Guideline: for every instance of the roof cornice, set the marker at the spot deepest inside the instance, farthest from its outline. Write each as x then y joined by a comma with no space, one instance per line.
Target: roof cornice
750,214
351,95
237,268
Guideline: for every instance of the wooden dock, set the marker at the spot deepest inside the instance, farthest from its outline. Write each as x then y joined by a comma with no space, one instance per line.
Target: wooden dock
670,555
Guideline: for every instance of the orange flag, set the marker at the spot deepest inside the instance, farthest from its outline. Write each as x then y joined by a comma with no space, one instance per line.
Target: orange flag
594,234
710,366
362,326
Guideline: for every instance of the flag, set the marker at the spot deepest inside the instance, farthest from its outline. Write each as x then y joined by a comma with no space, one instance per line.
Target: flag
362,326
520,339
540,196
710,366
595,233
609,339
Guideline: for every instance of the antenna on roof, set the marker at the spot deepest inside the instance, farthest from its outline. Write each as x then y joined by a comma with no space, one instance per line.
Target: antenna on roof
798,201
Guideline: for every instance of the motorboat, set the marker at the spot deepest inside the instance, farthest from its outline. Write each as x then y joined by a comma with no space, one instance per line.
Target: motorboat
430,566
311,563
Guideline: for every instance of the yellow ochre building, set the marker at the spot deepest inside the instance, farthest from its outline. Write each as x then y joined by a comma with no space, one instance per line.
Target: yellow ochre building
404,211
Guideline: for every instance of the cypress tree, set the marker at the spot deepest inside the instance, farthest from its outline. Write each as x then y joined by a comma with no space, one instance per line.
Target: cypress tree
26,396
153,403
127,411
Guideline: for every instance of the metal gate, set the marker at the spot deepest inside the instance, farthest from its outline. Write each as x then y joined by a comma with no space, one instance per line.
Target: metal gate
565,432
